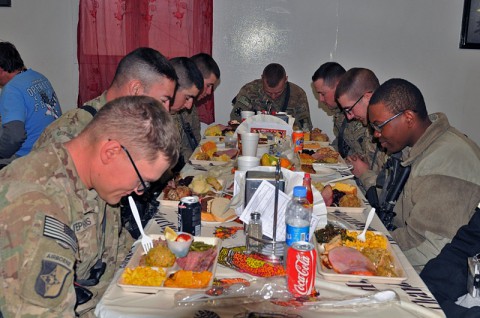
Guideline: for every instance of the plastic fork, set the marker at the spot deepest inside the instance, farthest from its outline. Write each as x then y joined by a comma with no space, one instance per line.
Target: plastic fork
362,236
147,241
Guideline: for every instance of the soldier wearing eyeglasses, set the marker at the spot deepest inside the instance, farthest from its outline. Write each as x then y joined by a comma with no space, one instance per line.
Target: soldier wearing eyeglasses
60,247
349,135
443,187
353,94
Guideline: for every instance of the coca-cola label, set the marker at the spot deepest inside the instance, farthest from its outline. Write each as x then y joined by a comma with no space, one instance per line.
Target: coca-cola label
302,265
301,258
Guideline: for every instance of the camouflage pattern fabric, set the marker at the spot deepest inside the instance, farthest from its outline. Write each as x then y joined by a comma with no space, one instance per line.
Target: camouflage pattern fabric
376,157
190,117
354,135
253,97
70,124
51,231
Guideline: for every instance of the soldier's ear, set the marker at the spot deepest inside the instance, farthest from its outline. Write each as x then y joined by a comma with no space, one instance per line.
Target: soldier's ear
110,151
135,88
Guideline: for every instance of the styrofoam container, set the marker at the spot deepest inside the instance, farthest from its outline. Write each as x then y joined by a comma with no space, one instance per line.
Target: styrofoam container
247,162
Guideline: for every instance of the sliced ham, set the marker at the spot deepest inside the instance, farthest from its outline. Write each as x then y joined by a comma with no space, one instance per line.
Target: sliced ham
229,152
327,195
197,261
347,260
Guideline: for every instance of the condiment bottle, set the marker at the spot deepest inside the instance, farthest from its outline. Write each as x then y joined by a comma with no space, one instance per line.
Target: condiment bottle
255,229
307,183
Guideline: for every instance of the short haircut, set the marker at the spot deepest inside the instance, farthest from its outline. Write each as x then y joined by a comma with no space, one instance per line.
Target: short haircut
10,59
144,64
187,72
330,73
150,127
356,82
399,95
206,64
273,73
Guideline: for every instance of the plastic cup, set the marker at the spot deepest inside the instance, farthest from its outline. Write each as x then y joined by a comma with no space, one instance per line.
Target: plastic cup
247,162
247,113
249,144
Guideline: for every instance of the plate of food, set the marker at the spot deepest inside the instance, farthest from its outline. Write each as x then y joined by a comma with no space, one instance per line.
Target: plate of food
209,154
216,211
341,196
325,155
341,257
160,269
199,185
219,131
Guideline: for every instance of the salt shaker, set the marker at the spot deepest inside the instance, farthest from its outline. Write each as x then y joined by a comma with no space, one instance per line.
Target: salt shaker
255,229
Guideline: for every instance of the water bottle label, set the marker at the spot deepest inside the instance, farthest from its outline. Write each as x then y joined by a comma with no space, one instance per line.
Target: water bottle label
296,234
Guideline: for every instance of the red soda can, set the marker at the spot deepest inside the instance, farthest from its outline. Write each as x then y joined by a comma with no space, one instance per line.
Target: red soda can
301,262
297,138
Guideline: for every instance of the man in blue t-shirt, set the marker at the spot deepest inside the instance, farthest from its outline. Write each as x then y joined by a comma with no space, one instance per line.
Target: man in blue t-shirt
28,104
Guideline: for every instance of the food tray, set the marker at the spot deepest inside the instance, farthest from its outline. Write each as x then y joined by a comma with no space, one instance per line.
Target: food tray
211,162
340,165
331,275
314,145
172,203
359,209
134,261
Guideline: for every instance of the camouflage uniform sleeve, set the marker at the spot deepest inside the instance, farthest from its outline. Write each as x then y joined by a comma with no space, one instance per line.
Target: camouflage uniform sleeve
195,123
376,158
242,102
38,257
337,124
63,129
299,100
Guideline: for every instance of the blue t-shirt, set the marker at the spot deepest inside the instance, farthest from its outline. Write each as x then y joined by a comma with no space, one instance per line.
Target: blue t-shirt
29,97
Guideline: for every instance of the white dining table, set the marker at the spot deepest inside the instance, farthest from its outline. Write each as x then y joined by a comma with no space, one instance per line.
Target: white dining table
413,297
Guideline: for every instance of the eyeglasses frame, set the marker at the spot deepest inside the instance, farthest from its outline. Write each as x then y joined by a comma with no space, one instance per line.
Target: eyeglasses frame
378,128
348,110
145,184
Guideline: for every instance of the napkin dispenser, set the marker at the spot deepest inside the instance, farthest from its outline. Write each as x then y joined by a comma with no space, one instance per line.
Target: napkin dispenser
282,116
254,178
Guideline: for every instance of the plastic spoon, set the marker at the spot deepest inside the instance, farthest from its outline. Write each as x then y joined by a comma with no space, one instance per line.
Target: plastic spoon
362,236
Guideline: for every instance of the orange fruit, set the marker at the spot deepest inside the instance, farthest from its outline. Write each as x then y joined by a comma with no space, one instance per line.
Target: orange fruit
285,163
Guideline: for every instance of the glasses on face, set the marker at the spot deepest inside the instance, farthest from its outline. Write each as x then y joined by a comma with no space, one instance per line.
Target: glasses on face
379,127
144,185
348,110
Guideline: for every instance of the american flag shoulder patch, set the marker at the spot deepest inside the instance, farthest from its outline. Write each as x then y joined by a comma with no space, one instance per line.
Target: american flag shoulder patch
59,231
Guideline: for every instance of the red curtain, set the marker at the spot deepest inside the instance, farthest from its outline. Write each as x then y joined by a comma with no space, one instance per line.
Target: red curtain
109,29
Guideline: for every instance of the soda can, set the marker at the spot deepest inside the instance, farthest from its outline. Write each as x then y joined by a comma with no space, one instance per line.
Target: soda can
297,138
190,215
301,262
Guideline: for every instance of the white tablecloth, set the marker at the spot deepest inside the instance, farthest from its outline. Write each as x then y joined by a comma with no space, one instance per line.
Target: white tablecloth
415,300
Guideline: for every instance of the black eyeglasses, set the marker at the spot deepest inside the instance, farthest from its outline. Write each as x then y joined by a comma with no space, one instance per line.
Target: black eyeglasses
348,110
144,185
379,127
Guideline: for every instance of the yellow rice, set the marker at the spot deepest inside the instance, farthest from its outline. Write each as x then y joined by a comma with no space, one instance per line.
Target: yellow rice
372,240
144,276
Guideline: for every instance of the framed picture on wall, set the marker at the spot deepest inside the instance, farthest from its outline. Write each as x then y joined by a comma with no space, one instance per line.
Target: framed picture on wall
470,36
5,3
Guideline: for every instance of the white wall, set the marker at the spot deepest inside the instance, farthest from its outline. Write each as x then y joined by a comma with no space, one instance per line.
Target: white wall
45,33
411,39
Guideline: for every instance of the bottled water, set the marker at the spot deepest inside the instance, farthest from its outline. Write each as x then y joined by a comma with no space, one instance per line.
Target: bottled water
297,217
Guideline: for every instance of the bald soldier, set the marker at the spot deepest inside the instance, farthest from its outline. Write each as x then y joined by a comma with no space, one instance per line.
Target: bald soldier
273,92
55,238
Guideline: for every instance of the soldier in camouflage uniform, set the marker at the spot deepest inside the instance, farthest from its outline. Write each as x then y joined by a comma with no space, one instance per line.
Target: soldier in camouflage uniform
353,94
190,84
53,230
144,71
211,75
349,135
273,93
